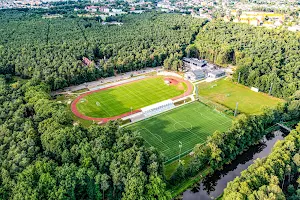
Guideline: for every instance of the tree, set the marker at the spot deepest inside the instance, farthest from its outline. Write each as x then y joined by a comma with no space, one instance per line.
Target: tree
104,183
261,179
179,174
53,50
258,62
157,188
53,159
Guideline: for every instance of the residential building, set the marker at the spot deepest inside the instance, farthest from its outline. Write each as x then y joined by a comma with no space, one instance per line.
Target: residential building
226,18
87,61
91,8
118,11
254,22
104,9
294,28
278,23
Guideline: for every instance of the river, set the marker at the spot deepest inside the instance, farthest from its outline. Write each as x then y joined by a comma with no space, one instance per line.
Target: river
213,185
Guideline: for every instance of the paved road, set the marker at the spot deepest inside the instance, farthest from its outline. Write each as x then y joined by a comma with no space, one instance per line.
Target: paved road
102,81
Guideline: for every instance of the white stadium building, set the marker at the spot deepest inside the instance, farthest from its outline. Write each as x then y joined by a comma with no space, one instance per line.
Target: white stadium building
158,108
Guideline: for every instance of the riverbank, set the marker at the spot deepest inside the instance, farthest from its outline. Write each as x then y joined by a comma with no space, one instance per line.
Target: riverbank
212,186
179,189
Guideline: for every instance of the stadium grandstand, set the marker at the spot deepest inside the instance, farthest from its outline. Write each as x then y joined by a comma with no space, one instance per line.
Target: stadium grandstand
158,108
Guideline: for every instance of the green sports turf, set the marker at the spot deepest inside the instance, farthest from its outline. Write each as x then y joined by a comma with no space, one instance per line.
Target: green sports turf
119,100
228,93
190,124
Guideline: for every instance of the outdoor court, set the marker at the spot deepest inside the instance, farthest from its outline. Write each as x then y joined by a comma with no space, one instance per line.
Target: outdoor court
190,124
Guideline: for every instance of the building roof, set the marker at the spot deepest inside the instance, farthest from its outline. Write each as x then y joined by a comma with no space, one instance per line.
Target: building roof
86,61
195,61
198,73
217,72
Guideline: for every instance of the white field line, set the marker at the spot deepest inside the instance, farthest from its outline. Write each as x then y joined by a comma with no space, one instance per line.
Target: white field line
155,135
186,128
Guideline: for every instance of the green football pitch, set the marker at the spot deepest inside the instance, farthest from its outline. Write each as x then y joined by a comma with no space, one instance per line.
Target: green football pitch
135,95
228,93
190,124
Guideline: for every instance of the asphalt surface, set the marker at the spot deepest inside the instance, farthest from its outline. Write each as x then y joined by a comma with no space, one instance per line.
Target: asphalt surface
102,81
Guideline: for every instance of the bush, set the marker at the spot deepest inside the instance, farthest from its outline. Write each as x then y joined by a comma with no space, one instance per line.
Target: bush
178,175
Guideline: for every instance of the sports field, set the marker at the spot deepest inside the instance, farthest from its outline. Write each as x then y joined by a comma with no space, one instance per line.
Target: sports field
118,100
190,124
228,93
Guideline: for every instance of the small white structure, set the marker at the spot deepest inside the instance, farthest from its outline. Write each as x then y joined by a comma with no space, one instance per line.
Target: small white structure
117,10
294,28
167,82
137,11
216,74
158,108
112,23
278,23
254,89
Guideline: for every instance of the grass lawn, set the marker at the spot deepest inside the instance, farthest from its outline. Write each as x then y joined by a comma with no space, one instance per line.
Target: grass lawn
228,93
190,124
68,98
119,100
170,168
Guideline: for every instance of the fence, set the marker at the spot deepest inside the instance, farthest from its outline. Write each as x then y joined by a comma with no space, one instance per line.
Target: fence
216,106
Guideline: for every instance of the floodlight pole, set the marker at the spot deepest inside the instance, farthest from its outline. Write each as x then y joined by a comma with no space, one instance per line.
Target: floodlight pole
239,77
236,107
197,92
180,146
270,90
131,110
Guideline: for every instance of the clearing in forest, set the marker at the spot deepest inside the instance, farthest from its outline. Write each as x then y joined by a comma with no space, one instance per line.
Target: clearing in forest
189,125
227,93
110,103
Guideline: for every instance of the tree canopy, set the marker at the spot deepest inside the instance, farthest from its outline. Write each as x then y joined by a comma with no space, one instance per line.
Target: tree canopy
53,49
44,156
264,56
275,177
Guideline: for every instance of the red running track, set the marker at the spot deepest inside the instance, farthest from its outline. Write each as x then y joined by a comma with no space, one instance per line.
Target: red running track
104,120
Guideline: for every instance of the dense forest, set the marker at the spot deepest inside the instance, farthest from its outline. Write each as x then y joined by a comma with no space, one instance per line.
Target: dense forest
264,56
44,156
53,49
275,177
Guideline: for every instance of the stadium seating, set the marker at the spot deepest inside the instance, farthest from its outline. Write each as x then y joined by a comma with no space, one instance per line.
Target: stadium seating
158,108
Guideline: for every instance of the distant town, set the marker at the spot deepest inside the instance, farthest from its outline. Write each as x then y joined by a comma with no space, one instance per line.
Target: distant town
266,13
